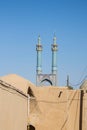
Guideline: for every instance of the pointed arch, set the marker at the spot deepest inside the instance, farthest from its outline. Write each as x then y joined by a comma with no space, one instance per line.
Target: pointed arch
47,80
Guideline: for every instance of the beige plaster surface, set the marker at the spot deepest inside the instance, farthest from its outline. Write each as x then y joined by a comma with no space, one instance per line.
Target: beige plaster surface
13,110
53,112
18,82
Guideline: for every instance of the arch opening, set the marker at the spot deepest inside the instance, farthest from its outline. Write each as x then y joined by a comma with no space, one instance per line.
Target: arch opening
30,127
46,82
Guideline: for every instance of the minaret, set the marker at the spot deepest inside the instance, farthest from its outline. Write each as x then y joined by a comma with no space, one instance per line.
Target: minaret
39,56
54,58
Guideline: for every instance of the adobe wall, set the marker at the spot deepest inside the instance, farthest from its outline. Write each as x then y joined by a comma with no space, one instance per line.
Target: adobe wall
13,110
55,109
49,108
84,110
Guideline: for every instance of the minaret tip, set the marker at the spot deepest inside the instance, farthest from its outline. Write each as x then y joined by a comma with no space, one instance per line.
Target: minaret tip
39,40
54,39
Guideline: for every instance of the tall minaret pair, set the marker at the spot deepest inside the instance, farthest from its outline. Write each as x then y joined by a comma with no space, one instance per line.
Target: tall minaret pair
51,78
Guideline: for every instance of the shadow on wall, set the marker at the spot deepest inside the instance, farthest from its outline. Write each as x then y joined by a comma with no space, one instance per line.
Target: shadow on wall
30,127
30,92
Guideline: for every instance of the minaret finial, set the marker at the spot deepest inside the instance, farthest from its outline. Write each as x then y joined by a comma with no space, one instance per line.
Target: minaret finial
54,39
39,40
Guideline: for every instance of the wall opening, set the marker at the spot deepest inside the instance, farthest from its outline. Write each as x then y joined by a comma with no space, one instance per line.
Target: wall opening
46,82
30,92
31,127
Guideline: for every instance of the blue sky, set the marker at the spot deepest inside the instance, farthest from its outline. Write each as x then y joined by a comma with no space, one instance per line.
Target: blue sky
21,21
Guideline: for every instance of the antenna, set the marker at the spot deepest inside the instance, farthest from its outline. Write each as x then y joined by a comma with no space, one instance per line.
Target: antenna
68,80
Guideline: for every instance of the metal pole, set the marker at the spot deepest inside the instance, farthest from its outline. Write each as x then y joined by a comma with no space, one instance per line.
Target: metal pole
68,80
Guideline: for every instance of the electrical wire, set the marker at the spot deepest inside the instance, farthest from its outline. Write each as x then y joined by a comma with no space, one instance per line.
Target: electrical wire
79,82
83,73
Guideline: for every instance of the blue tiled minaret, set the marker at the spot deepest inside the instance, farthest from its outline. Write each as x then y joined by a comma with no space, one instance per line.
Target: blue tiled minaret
39,56
54,58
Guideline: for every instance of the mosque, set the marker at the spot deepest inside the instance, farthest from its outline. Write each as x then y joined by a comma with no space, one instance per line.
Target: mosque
26,106
50,78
